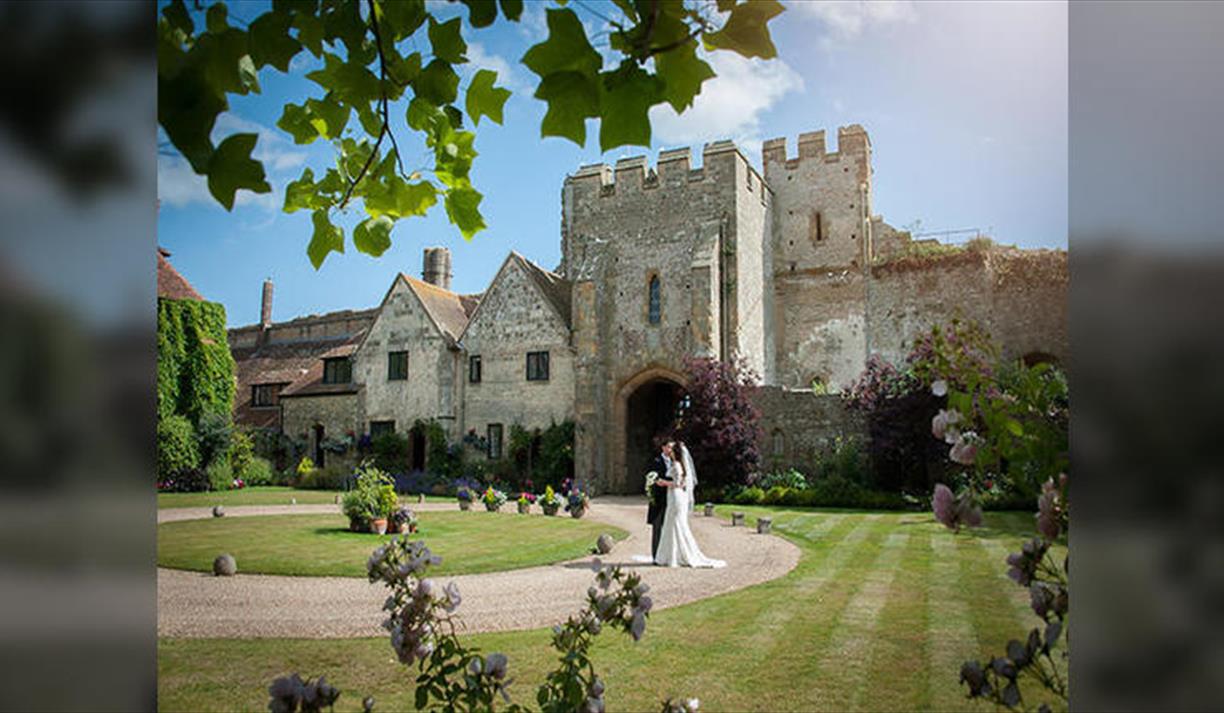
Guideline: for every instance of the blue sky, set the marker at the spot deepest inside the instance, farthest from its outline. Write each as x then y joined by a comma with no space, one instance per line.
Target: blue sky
966,105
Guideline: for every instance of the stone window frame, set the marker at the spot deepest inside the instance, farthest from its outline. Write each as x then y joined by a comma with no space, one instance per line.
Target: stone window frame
654,289
394,374
381,427
493,437
332,371
779,443
271,391
540,372
474,369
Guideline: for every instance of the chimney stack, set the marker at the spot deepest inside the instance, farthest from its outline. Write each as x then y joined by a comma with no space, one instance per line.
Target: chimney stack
437,270
265,312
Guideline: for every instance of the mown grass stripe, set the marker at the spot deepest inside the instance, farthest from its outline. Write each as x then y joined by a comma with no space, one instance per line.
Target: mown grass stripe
900,652
951,635
847,654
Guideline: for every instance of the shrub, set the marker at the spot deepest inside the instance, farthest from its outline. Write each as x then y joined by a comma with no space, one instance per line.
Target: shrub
775,495
333,477
719,422
792,479
241,453
750,496
177,449
220,475
372,497
258,472
191,480
215,433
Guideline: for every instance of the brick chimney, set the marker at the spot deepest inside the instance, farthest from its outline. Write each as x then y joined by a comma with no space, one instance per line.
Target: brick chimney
437,269
265,310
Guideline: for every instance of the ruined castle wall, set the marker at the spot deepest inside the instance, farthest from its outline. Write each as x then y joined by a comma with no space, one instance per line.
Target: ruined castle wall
798,426
429,390
753,286
821,319
512,320
1019,296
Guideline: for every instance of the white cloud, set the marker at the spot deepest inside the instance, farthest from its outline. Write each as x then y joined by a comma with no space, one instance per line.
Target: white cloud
507,74
729,106
849,19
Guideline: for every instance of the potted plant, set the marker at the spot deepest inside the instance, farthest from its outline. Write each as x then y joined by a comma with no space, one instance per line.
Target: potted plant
466,496
551,502
402,520
525,501
577,503
493,499
371,500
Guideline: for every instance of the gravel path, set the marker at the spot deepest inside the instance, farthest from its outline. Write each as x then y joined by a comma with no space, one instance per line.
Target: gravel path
193,604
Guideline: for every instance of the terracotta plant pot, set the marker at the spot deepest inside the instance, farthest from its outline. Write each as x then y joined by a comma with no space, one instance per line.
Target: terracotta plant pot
577,513
465,504
524,508
379,525
491,507
550,510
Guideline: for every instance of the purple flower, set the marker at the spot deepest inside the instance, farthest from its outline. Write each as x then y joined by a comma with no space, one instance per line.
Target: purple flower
964,451
939,387
944,505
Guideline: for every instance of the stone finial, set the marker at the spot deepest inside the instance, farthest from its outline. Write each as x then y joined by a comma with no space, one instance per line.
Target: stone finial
737,518
218,511
709,509
764,525
225,566
604,544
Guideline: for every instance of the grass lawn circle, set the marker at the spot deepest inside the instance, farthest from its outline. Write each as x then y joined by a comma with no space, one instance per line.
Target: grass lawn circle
322,545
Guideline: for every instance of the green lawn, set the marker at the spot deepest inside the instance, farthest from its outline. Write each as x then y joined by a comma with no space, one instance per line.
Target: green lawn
262,495
879,614
318,544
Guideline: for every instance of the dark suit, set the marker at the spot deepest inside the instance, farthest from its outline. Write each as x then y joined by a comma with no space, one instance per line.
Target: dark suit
658,503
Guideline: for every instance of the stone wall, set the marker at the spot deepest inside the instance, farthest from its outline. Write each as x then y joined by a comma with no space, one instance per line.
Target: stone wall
429,391
513,319
337,413
1019,296
797,426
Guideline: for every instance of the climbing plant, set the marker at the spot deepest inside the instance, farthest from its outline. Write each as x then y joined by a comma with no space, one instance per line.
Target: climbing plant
195,371
396,66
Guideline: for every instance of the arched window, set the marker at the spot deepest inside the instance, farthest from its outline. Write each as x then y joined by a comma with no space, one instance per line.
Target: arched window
779,443
655,310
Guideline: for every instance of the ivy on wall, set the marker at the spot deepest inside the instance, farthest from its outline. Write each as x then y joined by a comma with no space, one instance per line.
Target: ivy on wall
195,370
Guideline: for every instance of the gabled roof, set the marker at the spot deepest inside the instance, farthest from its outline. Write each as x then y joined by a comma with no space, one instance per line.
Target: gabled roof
170,284
554,289
444,307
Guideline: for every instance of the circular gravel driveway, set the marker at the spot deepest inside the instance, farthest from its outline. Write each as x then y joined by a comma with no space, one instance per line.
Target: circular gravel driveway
193,604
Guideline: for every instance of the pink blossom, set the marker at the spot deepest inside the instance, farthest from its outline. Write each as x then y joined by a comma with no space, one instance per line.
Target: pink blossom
943,425
944,505
939,387
964,451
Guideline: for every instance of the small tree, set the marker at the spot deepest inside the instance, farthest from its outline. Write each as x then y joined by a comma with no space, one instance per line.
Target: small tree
719,422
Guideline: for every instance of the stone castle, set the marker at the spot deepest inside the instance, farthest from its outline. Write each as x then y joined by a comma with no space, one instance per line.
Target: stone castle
790,271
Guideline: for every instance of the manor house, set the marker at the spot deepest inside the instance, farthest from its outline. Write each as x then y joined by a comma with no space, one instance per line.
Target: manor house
789,271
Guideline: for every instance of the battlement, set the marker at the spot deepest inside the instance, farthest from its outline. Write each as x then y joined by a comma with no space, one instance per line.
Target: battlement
852,142
674,167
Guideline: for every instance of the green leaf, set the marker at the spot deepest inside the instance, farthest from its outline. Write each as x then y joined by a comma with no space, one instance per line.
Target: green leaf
683,73
178,17
422,114
404,17
271,43
1014,427
231,168
369,118
512,9
626,6
438,83
453,116
344,23
350,82
481,13
372,236
215,19
747,31
572,98
310,32
302,194
565,50
328,116
187,109
327,238
446,40
400,199
463,209
221,58
403,70
295,120
483,99
626,98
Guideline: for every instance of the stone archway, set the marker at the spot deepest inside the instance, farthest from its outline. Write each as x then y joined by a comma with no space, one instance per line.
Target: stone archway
645,405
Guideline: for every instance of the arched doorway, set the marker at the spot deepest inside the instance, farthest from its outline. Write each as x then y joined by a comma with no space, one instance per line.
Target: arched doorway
417,441
318,446
646,406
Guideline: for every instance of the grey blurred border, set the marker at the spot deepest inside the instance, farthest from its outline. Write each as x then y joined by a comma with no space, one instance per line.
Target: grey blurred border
1147,315
77,367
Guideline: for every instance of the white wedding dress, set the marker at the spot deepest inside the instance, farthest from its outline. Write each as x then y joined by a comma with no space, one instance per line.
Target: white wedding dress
677,546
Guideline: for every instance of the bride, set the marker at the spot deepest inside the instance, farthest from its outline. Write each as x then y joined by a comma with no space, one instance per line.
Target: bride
677,546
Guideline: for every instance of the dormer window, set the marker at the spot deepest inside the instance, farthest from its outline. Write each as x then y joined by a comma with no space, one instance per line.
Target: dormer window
337,370
654,311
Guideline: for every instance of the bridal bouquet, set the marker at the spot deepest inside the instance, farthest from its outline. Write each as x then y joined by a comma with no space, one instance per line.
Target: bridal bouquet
651,477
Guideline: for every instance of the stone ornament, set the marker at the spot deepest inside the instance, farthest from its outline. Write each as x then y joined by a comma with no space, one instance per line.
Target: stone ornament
764,525
218,511
225,566
604,544
737,519
709,509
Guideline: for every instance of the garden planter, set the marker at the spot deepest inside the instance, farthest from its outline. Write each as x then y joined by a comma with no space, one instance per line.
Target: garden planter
491,507
709,509
358,525
379,525
465,504
550,509
577,512
524,508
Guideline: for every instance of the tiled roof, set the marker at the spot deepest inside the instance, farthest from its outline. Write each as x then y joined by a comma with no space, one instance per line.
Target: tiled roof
446,307
297,365
555,288
170,284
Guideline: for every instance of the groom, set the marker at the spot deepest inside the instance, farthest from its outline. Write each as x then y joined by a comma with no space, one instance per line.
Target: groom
658,493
